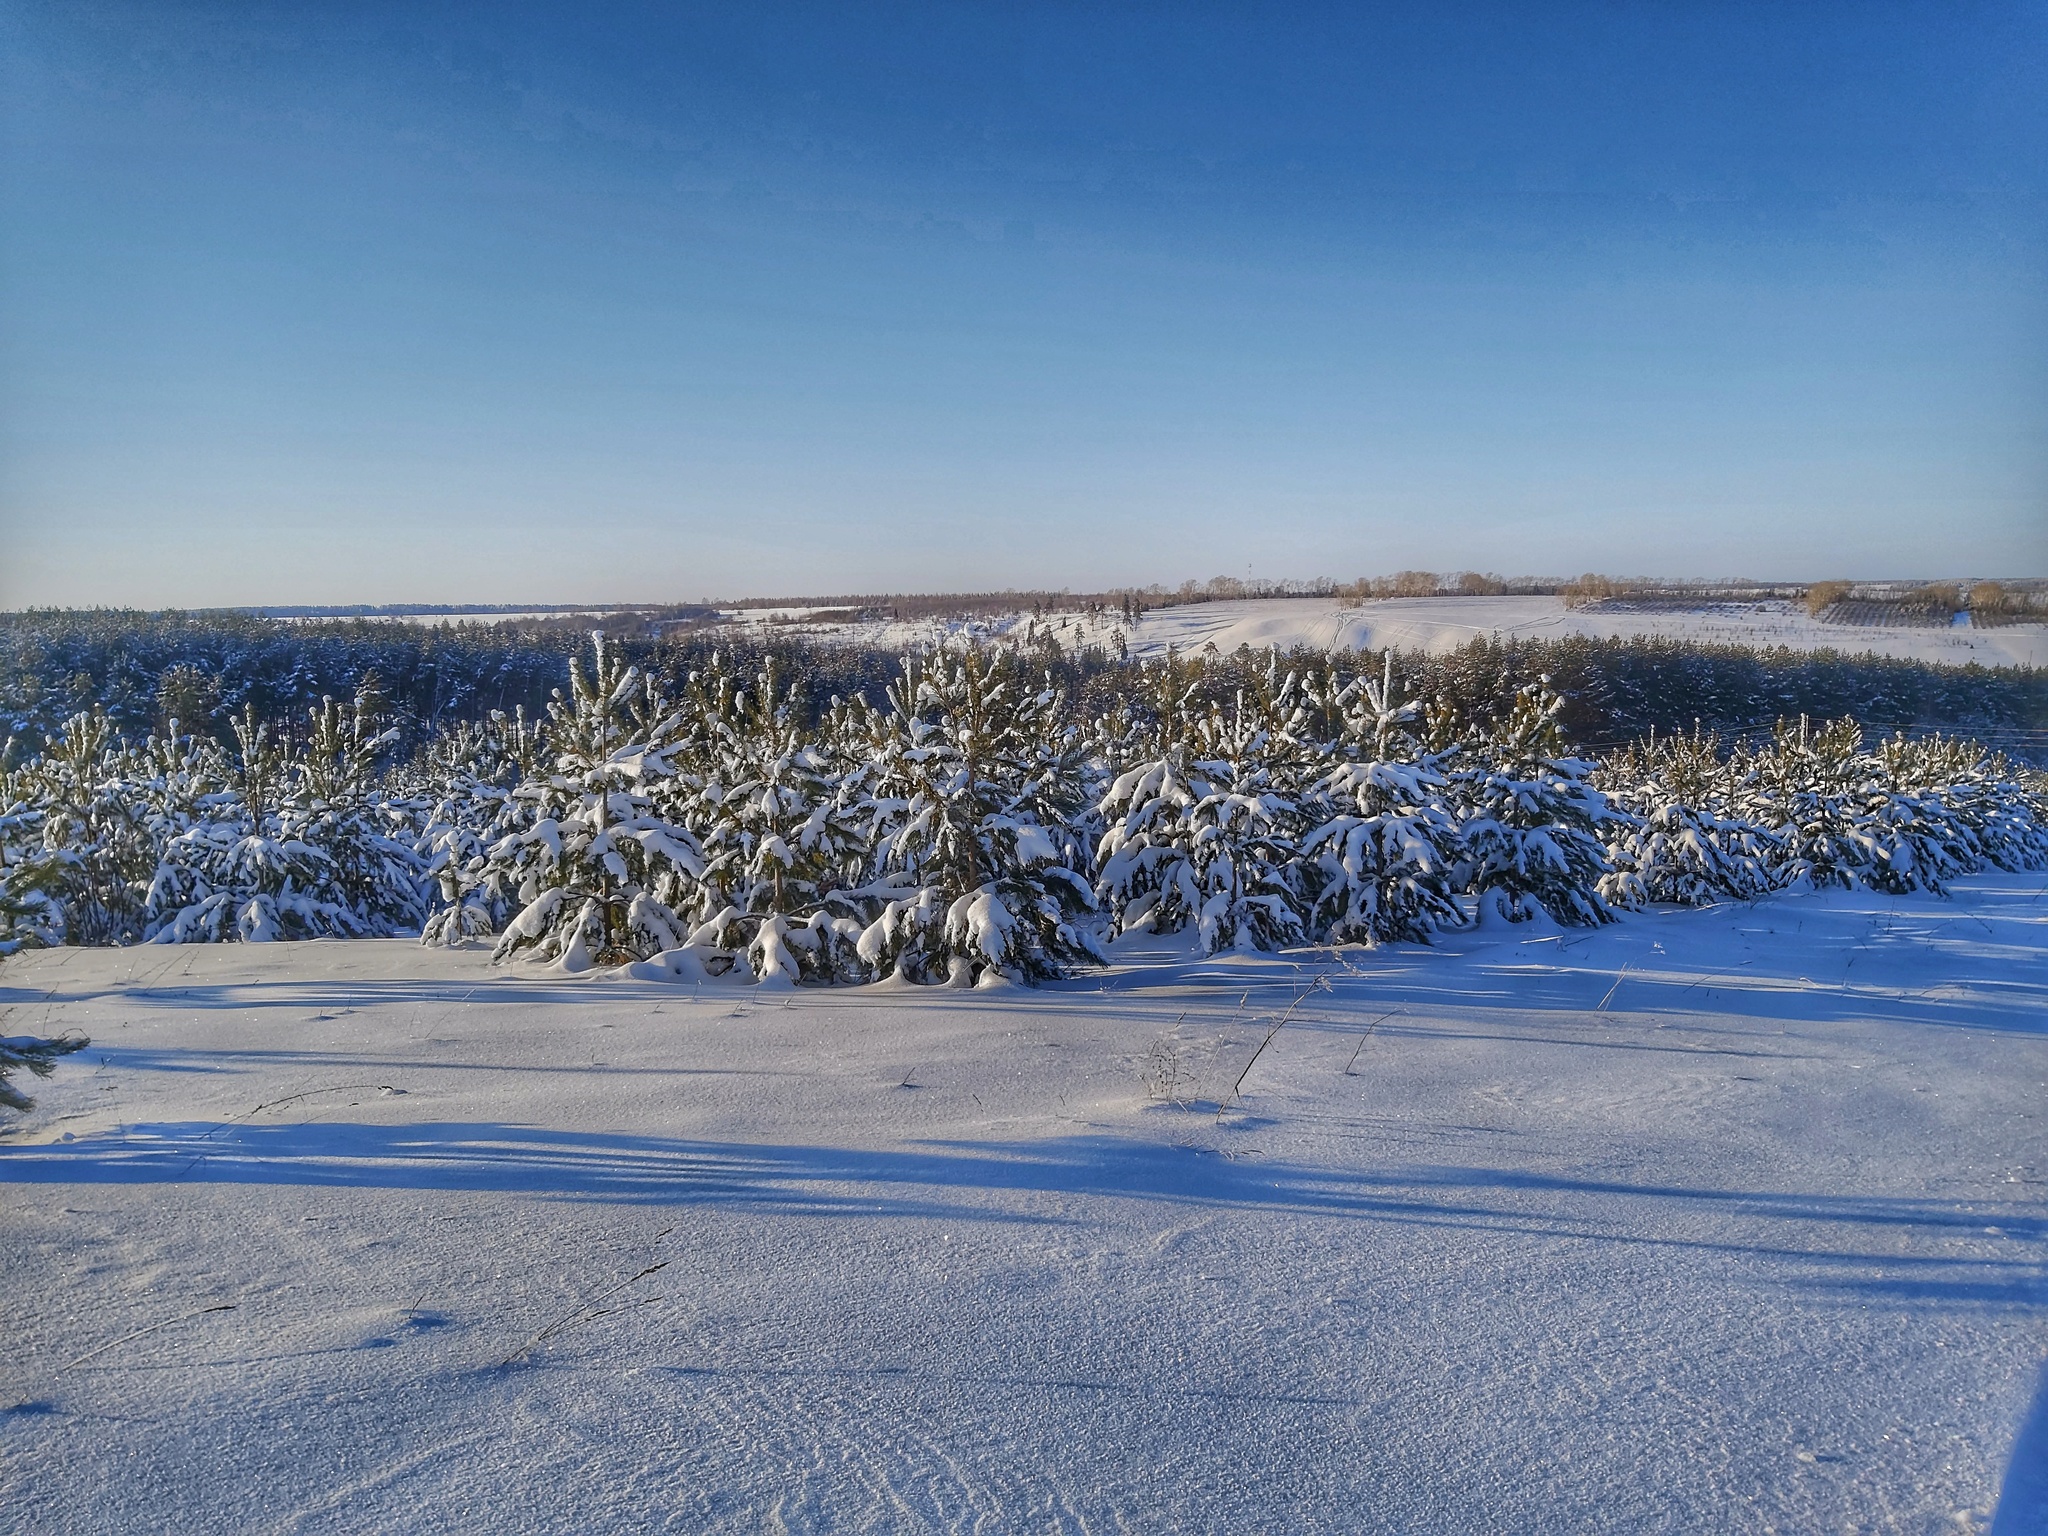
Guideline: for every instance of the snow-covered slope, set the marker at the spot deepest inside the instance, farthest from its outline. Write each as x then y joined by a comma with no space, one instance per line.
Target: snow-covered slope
1443,623
1703,1222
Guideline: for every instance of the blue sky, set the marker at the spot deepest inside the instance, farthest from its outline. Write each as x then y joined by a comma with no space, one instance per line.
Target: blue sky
335,304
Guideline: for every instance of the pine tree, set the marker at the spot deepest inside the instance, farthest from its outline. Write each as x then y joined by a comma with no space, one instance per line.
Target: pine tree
978,871
98,854
464,795
1838,821
1999,809
1208,831
1677,839
1531,821
337,808
1909,817
600,872
32,880
783,822
303,847
223,876
1384,861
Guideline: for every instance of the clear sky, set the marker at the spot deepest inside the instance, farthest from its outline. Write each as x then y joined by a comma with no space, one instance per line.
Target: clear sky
352,303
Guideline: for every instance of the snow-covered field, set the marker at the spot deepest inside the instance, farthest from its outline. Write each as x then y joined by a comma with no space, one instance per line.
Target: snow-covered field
1721,1221
1442,624
1405,623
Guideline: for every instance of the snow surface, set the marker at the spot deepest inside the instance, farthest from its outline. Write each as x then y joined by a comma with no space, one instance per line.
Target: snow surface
1444,623
1709,1221
1438,624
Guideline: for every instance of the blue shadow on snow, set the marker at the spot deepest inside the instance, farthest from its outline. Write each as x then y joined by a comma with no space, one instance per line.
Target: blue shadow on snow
1846,1244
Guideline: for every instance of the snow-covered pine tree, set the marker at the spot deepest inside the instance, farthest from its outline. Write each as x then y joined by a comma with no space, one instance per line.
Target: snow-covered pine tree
1383,863
464,790
1920,840
1531,819
1988,817
221,876
1207,830
1676,841
182,782
2001,805
302,847
783,822
337,807
601,873
1835,819
978,872
99,853
32,879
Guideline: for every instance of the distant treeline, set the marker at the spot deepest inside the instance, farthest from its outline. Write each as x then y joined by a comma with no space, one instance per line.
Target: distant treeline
486,613
202,669
143,669
1619,690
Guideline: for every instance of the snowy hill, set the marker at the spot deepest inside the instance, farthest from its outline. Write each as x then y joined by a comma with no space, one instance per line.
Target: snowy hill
1612,1231
1434,624
1442,623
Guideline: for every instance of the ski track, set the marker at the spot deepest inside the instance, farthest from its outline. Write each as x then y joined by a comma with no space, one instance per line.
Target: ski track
1708,1221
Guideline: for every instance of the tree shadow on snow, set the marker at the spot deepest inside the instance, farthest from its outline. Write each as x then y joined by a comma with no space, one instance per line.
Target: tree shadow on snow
338,996
1846,1246
205,1062
1974,962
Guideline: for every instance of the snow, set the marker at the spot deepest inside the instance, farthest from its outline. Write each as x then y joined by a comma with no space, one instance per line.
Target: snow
1437,624
1444,623
1707,1220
